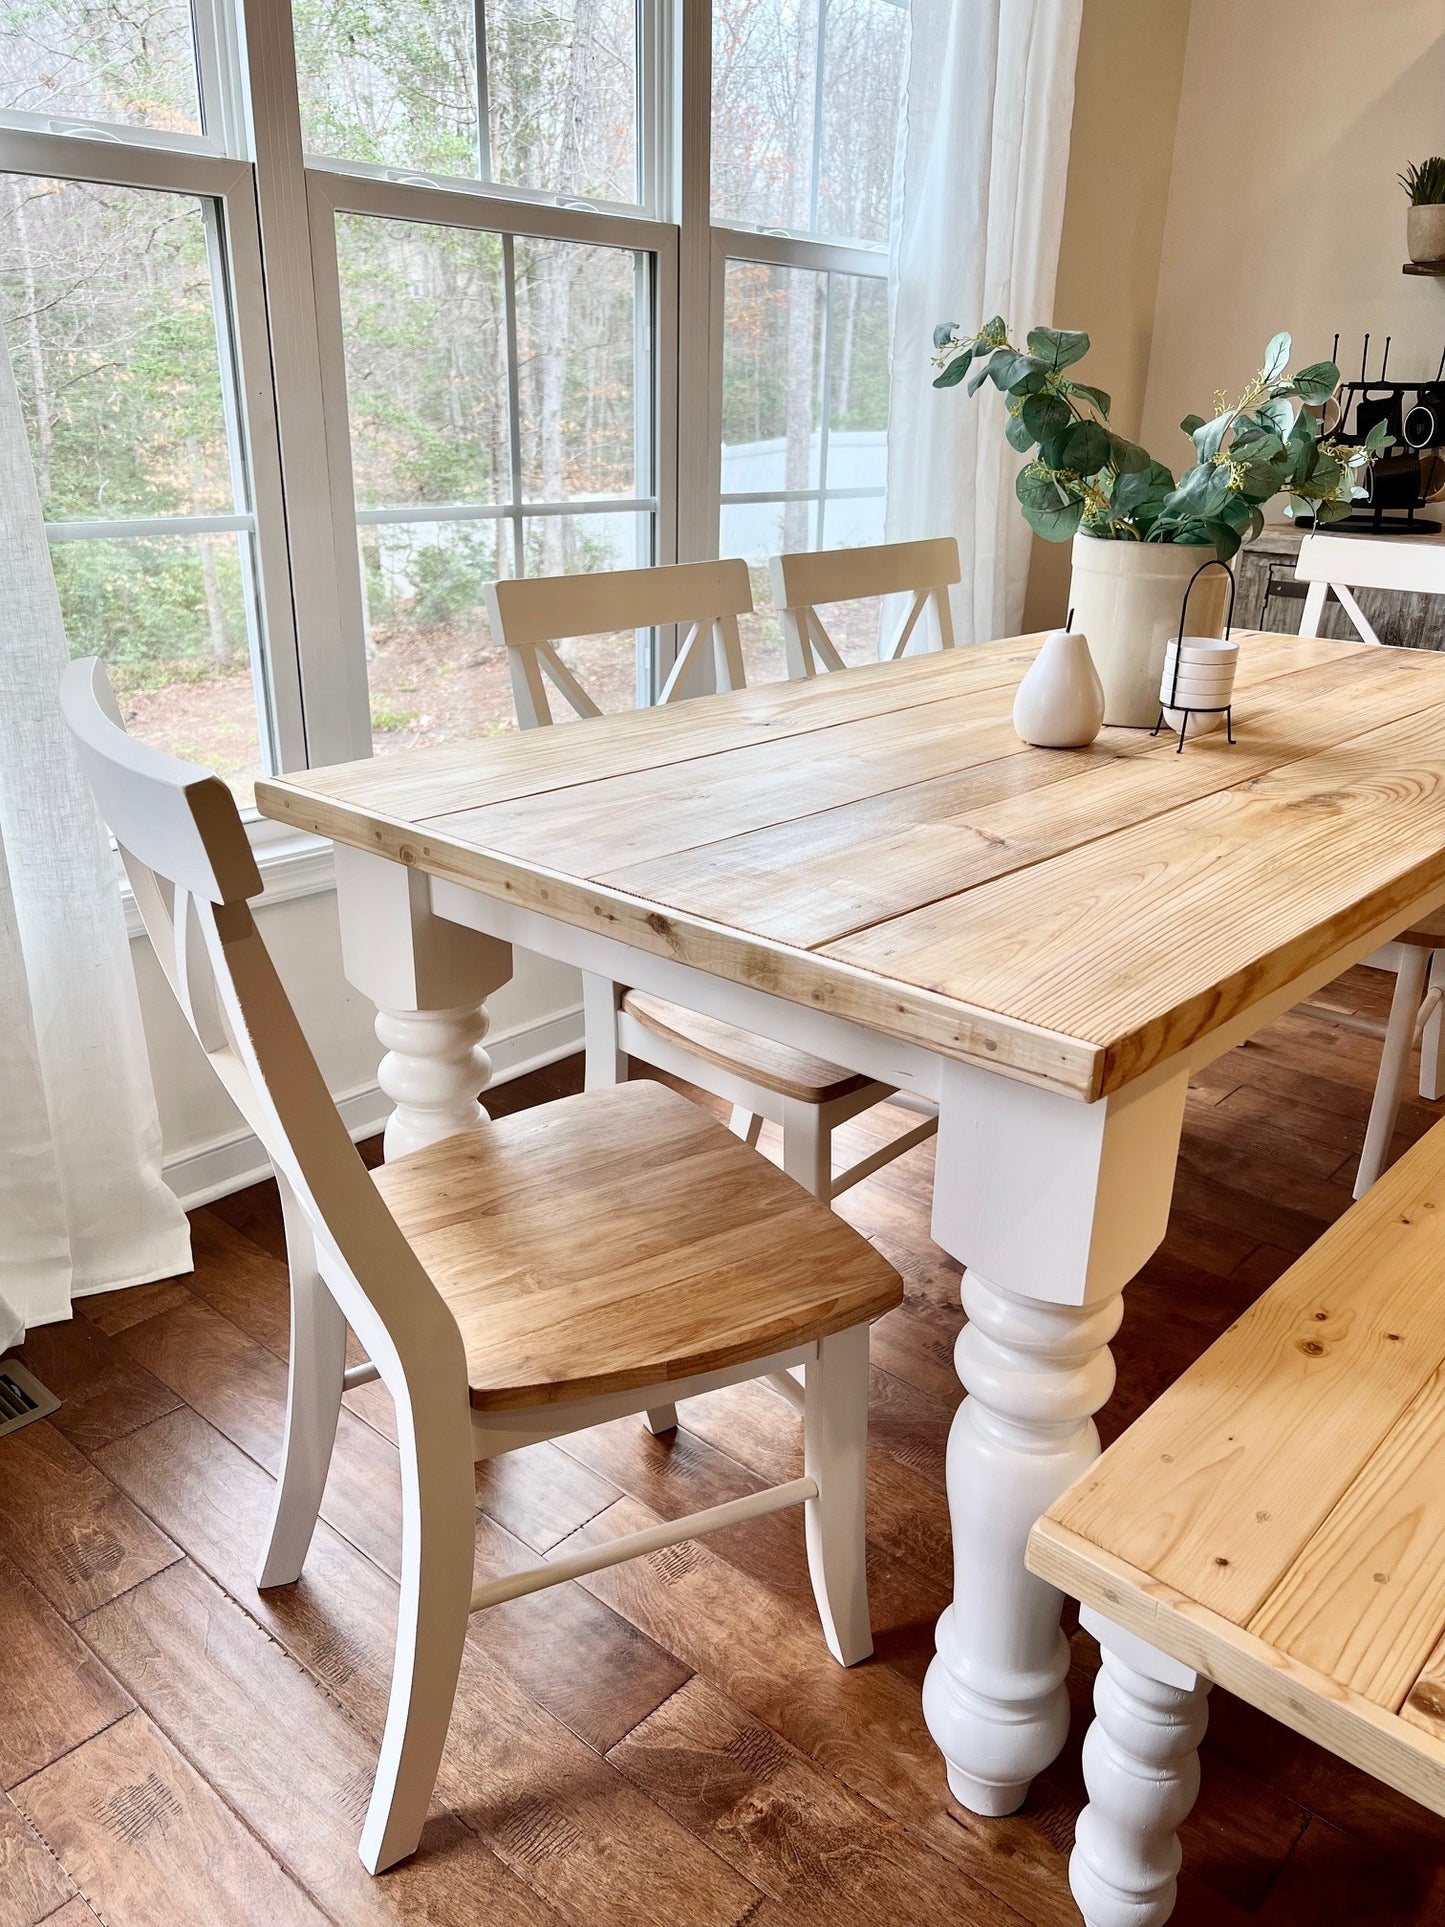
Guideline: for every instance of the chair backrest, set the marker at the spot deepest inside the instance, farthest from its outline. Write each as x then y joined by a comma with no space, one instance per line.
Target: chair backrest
532,615
190,865
1344,563
921,570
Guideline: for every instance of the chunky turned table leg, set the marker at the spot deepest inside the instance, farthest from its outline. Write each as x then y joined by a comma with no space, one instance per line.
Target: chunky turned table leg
1052,1205
433,1070
429,980
1141,1766
1035,1374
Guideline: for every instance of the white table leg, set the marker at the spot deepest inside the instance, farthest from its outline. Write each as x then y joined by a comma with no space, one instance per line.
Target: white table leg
1053,1205
429,980
1141,1766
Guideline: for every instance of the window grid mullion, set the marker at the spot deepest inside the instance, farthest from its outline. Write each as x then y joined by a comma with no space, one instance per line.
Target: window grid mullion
484,92
514,400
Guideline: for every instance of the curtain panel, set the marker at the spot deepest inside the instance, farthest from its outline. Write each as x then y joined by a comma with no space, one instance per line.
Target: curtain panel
978,210
83,1204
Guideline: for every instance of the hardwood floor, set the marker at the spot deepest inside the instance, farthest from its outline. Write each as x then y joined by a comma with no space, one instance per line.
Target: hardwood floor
668,1741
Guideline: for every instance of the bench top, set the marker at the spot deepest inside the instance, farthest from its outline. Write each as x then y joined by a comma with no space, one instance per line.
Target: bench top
1276,1520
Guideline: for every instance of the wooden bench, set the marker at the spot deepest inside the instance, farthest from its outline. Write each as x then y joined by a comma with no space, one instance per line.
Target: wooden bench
1275,1523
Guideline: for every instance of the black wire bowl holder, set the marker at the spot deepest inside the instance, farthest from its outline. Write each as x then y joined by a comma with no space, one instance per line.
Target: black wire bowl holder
1185,711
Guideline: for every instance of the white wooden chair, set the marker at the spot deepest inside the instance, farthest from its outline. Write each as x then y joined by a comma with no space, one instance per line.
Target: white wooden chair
807,1096
515,1282
802,580
1338,565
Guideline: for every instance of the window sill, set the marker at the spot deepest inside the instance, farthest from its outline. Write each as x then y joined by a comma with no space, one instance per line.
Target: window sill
292,864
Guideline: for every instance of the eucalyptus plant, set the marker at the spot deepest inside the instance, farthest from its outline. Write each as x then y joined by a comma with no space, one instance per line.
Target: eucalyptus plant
1082,475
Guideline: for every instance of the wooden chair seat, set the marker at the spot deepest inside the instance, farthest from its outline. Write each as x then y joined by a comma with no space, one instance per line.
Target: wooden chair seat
1428,933
777,1067
619,1239
1276,1521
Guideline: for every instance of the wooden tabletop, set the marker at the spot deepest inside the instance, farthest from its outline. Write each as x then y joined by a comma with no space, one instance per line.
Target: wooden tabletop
879,844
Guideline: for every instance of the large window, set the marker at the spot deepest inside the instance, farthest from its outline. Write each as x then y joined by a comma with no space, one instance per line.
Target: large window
325,315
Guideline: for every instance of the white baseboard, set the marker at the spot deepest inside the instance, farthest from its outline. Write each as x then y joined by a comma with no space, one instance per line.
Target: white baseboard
235,1159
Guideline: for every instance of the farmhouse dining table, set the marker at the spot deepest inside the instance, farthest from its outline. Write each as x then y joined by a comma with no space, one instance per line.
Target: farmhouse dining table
871,866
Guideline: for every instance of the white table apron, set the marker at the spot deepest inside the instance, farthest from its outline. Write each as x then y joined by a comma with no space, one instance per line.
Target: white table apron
1051,1203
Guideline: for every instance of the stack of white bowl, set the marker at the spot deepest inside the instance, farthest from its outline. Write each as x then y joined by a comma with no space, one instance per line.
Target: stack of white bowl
1206,666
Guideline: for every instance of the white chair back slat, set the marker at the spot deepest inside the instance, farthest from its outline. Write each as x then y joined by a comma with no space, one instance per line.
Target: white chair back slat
531,616
803,579
1344,563
186,852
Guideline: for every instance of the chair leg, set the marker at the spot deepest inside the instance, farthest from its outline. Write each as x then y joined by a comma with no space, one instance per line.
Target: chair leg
748,1125
606,1061
1432,1044
438,1546
835,1453
1394,1058
662,1418
313,1403
1141,1767
808,1148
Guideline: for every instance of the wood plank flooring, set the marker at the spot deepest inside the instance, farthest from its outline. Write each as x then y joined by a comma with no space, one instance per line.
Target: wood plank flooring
667,1741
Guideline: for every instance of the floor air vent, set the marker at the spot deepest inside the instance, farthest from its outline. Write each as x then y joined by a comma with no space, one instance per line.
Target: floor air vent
22,1397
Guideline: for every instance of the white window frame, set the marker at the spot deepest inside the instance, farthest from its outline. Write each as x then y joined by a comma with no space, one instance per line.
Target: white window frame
278,213
251,432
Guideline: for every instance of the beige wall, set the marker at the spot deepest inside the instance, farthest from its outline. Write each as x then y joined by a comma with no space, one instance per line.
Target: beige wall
1232,172
1284,211
1126,106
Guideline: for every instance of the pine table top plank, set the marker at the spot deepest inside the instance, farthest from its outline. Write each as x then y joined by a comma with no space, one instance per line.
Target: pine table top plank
881,847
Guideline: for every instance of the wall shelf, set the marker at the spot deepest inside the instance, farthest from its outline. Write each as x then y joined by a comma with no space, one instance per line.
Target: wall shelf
1424,267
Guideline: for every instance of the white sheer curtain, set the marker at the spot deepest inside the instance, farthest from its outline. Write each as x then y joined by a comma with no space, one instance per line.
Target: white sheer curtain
978,207
83,1204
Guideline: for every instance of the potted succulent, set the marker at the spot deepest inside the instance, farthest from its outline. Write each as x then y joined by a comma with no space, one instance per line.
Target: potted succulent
1139,534
1424,183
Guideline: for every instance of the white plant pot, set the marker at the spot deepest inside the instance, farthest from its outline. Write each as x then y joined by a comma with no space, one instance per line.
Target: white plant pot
1425,232
1126,598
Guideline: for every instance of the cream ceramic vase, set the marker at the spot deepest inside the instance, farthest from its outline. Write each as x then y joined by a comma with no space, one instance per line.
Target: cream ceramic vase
1060,702
1425,232
1126,598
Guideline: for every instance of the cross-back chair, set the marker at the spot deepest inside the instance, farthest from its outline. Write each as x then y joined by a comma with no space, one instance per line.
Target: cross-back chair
923,571
1338,565
533,615
807,1096
523,1279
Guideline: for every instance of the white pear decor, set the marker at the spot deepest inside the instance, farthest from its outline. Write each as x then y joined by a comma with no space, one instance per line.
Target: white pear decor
1060,702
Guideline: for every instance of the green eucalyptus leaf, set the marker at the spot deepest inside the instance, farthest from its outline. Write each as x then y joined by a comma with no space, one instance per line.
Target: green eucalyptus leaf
943,334
953,374
1191,422
1378,437
1048,416
1097,397
1143,492
1048,508
1276,415
1006,368
1127,457
1225,538
1209,436
1202,492
1016,433
1086,448
979,376
1316,383
1057,348
1276,357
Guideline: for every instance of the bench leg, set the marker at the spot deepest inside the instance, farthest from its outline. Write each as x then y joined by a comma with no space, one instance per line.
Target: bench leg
1141,1766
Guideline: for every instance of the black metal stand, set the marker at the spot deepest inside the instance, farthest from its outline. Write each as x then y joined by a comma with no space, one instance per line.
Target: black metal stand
1224,709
